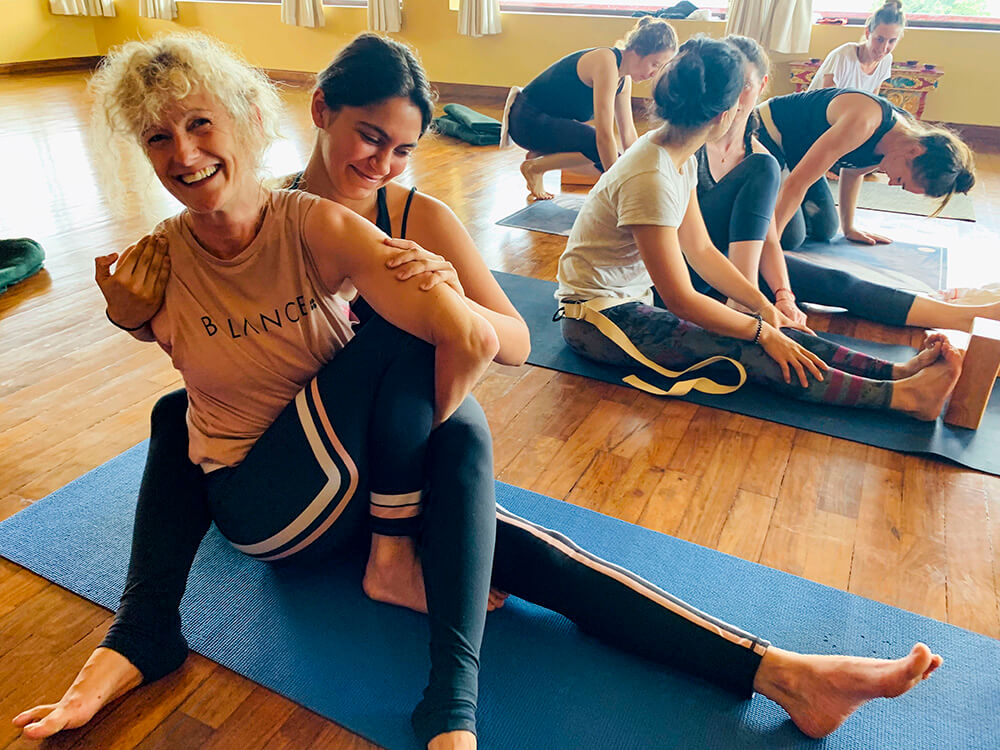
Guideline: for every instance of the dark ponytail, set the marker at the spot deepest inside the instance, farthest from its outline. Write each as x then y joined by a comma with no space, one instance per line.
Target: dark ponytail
373,68
702,82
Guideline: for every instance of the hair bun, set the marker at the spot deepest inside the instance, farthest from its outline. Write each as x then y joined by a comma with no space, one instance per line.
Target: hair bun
893,4
703,81
964,181
645,20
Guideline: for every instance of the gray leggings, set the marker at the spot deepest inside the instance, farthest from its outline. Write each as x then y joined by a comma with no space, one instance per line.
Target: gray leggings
854,379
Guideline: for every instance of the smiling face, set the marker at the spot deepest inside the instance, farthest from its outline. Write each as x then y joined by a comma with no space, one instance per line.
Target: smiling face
648,66
364,148
194,152
883,39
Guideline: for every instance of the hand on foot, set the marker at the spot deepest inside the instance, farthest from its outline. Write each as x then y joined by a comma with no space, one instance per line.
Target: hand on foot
106,676
820,692
930,352
497,599
394,574
923,395
533,179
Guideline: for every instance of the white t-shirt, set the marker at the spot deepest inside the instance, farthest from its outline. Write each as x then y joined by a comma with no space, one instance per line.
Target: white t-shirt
844,66
643,187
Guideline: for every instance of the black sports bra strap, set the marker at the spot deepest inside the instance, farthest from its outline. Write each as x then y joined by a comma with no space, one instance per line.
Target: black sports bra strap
406,212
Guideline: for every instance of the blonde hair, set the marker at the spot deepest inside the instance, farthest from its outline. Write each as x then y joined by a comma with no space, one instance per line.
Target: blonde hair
138,81
946,166
649,36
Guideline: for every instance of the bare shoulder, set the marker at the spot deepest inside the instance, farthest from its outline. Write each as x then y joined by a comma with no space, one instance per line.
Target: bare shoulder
598,63
859,108
429,217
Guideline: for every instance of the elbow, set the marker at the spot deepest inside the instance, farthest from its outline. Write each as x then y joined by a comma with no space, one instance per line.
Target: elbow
515,350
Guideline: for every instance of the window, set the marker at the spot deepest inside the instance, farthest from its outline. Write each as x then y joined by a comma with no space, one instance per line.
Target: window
602,7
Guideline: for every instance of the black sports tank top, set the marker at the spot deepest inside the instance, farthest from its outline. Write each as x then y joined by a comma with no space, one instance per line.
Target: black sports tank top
705,180
801,119
559,92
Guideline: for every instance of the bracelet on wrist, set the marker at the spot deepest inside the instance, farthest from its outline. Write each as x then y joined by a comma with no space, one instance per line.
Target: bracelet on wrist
783,291
760,326
119,325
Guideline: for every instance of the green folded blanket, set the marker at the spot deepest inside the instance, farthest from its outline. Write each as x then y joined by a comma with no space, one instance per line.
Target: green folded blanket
19,259
472,119
456,129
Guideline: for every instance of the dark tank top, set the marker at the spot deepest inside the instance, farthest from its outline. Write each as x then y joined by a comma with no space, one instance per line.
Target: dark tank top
361,309
801,119
705,180
559,92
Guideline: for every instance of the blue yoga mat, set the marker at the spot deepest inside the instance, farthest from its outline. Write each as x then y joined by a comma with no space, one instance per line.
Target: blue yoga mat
901,265
976,449
310,634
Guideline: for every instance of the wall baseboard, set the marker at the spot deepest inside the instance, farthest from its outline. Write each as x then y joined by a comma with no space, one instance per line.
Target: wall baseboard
60,65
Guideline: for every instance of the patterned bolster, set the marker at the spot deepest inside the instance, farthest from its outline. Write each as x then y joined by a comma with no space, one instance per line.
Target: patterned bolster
396,515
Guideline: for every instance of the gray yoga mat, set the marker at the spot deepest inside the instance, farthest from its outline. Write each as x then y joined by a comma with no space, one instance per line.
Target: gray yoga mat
901,265
307,632
976,449
879,196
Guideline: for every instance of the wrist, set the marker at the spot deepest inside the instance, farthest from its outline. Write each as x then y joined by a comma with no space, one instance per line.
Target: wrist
116,324
784,294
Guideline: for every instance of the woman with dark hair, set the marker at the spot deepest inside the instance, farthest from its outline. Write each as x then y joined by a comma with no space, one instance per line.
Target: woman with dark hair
642,221
549,117
812,131
737,177
145,641
864,65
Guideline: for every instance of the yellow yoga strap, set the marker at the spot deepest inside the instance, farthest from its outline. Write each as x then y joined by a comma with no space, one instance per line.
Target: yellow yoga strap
591,311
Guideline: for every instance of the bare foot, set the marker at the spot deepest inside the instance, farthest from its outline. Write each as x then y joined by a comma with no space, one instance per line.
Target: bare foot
923,395
457,740
930,352
533,178
106,676
394,574
820,692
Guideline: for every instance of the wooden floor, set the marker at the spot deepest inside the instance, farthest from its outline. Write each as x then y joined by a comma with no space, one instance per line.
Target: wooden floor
74,392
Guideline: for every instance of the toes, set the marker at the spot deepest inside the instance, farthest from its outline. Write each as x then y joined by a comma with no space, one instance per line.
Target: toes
32,715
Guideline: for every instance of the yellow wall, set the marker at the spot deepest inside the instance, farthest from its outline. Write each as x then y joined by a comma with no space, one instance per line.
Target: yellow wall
529,42
30,32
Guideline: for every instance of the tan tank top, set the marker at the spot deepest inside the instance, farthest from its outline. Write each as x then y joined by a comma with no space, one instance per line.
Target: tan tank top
246,333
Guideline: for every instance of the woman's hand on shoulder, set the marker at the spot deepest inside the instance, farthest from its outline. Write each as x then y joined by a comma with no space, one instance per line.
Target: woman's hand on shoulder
134,290
414,261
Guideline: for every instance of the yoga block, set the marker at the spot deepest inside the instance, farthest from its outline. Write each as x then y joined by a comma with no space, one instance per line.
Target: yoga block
569,177
979,373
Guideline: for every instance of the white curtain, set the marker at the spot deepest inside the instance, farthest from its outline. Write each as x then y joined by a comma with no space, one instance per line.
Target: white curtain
158,9
780,25
82,7
384,15
303,13
478,17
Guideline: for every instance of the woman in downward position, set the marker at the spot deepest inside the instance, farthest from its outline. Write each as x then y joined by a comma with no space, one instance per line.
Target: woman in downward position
549,117
202,118
738,182
642,221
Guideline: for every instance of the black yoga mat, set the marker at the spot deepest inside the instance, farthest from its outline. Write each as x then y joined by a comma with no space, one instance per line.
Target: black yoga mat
901,265
976,449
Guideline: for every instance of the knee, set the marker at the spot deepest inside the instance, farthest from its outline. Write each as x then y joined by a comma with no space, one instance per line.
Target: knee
170,411
764,167
793,236
466,432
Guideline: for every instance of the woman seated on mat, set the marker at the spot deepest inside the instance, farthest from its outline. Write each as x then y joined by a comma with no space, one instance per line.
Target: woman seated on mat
864,65
737,183
549,117
202,118
642,221
812,131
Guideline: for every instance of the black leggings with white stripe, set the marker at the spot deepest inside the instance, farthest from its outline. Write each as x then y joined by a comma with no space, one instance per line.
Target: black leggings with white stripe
459,525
